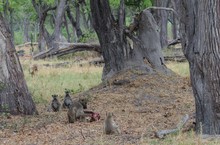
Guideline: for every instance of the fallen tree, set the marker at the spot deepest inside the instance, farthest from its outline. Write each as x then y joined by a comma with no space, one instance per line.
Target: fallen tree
70,48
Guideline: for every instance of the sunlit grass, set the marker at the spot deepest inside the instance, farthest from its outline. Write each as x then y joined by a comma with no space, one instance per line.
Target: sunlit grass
51,80
180,68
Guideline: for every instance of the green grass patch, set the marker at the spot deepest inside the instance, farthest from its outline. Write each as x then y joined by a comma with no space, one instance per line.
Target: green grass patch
180,68
51,80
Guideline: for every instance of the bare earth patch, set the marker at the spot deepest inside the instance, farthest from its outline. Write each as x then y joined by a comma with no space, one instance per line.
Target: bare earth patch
147,104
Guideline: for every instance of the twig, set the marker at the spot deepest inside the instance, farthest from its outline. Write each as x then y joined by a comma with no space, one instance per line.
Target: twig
164,8
162,133
82,134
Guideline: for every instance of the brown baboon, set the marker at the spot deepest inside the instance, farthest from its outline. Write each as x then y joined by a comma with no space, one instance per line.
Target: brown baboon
71,114
76,112
55,105
83,102
80,105
67,100
33,69
110,126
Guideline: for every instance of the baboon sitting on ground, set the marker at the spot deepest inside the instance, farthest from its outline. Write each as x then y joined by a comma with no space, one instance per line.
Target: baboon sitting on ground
55,105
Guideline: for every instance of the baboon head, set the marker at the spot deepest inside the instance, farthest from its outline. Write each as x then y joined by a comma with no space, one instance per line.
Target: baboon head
67,93
84,103
54,97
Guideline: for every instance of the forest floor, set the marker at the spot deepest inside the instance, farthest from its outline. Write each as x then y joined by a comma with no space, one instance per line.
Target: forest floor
145,105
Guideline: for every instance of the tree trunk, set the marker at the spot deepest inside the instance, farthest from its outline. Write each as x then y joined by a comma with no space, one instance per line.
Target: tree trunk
161,17
175,24
26,30
61,8
201,43
78,30
67,28
150,41
14,95
118,53
43,37
73,22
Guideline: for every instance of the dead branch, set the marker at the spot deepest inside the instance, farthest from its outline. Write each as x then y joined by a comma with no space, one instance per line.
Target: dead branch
82,134
164,8
178,58
162,133
70,48
27,44
174,42
210,137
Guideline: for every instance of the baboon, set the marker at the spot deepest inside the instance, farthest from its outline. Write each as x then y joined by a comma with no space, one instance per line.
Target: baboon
33,69
110,126
67,100
75,112
80,105
55,105
83,102
71,114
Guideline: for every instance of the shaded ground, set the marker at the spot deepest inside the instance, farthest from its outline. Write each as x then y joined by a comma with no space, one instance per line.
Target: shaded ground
147,104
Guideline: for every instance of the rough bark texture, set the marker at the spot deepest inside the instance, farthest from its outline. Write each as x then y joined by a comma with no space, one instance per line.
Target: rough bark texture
161,17
150,41
78,30
118,51
74,23
44,37
61,8
115,51
201,43
14,95
175,22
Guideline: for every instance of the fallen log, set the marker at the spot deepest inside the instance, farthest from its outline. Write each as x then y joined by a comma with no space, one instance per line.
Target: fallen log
27,44
71,48
178,58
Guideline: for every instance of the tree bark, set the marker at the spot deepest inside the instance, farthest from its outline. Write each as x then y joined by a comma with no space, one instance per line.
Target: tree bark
74,23
70,48
201,43
118,53
14,95
61,8
43,37
26,30
67,28
78,30
150,41
161,17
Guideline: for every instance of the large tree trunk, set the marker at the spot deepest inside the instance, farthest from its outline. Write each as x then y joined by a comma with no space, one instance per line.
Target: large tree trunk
201,43
150,41
14,95
118,54
161,17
